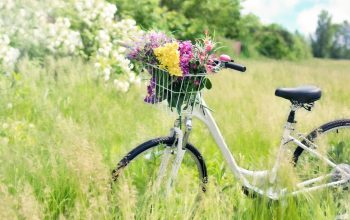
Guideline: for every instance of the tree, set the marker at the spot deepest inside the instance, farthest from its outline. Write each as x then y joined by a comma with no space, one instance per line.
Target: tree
249,29
341,44
185,19
145,12
322,42
301,48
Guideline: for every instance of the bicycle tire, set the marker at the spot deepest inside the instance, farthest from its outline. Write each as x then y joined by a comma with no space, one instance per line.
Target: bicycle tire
312,136
168,141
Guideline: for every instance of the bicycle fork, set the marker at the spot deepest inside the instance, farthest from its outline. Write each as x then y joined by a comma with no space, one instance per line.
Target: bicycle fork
182,139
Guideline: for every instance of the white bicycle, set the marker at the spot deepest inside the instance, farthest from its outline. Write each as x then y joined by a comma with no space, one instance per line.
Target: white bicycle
321,158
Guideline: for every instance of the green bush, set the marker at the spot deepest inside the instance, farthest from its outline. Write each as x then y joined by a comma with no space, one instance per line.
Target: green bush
276,42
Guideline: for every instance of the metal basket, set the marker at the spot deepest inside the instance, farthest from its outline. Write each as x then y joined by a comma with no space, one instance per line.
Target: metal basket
181,94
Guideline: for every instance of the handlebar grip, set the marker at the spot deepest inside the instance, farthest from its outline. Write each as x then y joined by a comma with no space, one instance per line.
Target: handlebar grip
235,66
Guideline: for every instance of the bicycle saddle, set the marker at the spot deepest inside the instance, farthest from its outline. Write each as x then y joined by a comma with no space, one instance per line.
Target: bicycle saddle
300,94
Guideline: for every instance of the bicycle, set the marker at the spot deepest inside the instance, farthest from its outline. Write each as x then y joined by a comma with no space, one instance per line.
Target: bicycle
323,160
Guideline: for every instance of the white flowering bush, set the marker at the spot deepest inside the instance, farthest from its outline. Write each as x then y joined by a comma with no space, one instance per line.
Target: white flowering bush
86,28
110,36
26,23
61,39
8,54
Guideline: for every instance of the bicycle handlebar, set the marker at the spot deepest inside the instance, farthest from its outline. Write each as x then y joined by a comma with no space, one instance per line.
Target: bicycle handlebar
231,65
235,66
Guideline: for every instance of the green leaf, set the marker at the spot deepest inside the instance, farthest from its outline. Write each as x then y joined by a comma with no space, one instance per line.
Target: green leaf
208,84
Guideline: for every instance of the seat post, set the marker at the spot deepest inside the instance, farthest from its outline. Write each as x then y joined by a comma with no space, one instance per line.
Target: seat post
291,116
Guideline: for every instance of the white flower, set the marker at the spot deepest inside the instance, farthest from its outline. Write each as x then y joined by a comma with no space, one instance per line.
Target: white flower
131,77
79,6
89,3
108,12
8,54
65,40
137,81
103,36
122,86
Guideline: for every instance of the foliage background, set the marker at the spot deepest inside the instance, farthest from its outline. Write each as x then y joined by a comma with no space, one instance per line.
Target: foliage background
189,19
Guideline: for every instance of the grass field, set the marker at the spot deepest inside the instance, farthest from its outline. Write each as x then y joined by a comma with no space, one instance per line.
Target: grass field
62,131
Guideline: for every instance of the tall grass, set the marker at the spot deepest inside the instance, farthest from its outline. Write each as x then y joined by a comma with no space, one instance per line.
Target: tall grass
62,131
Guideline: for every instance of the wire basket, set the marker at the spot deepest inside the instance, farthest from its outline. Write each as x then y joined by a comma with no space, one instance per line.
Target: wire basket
179,94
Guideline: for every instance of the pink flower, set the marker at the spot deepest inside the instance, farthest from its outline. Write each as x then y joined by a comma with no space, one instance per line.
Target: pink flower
208,46
209,68
202,57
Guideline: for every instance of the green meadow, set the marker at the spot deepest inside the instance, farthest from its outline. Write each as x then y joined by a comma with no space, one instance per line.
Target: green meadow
63,130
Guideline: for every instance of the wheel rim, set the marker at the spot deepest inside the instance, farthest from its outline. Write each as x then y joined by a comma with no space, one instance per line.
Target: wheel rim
335,145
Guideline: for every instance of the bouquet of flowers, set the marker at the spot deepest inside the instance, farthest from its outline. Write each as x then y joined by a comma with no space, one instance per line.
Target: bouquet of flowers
178,68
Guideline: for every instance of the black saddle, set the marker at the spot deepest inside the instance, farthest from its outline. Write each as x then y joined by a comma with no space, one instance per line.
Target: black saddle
301,94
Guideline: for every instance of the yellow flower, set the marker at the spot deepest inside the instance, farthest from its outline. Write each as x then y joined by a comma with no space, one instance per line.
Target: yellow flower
169,58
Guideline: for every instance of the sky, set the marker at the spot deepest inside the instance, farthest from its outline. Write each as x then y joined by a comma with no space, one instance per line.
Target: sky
298,15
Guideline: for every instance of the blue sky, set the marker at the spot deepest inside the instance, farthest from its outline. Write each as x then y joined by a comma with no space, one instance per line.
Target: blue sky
298,15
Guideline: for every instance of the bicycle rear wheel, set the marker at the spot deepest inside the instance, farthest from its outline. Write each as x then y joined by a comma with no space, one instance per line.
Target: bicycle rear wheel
331,140
140,167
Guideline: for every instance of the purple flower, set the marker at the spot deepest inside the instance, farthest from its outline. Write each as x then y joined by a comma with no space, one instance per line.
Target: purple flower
157,39
151,96
185,48
151,99
142,50
133,53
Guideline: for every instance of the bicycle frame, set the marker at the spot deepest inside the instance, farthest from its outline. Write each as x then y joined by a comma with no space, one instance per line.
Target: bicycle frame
204,114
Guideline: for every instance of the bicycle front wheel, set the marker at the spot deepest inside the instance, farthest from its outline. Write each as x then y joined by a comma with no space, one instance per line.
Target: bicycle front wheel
140,168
